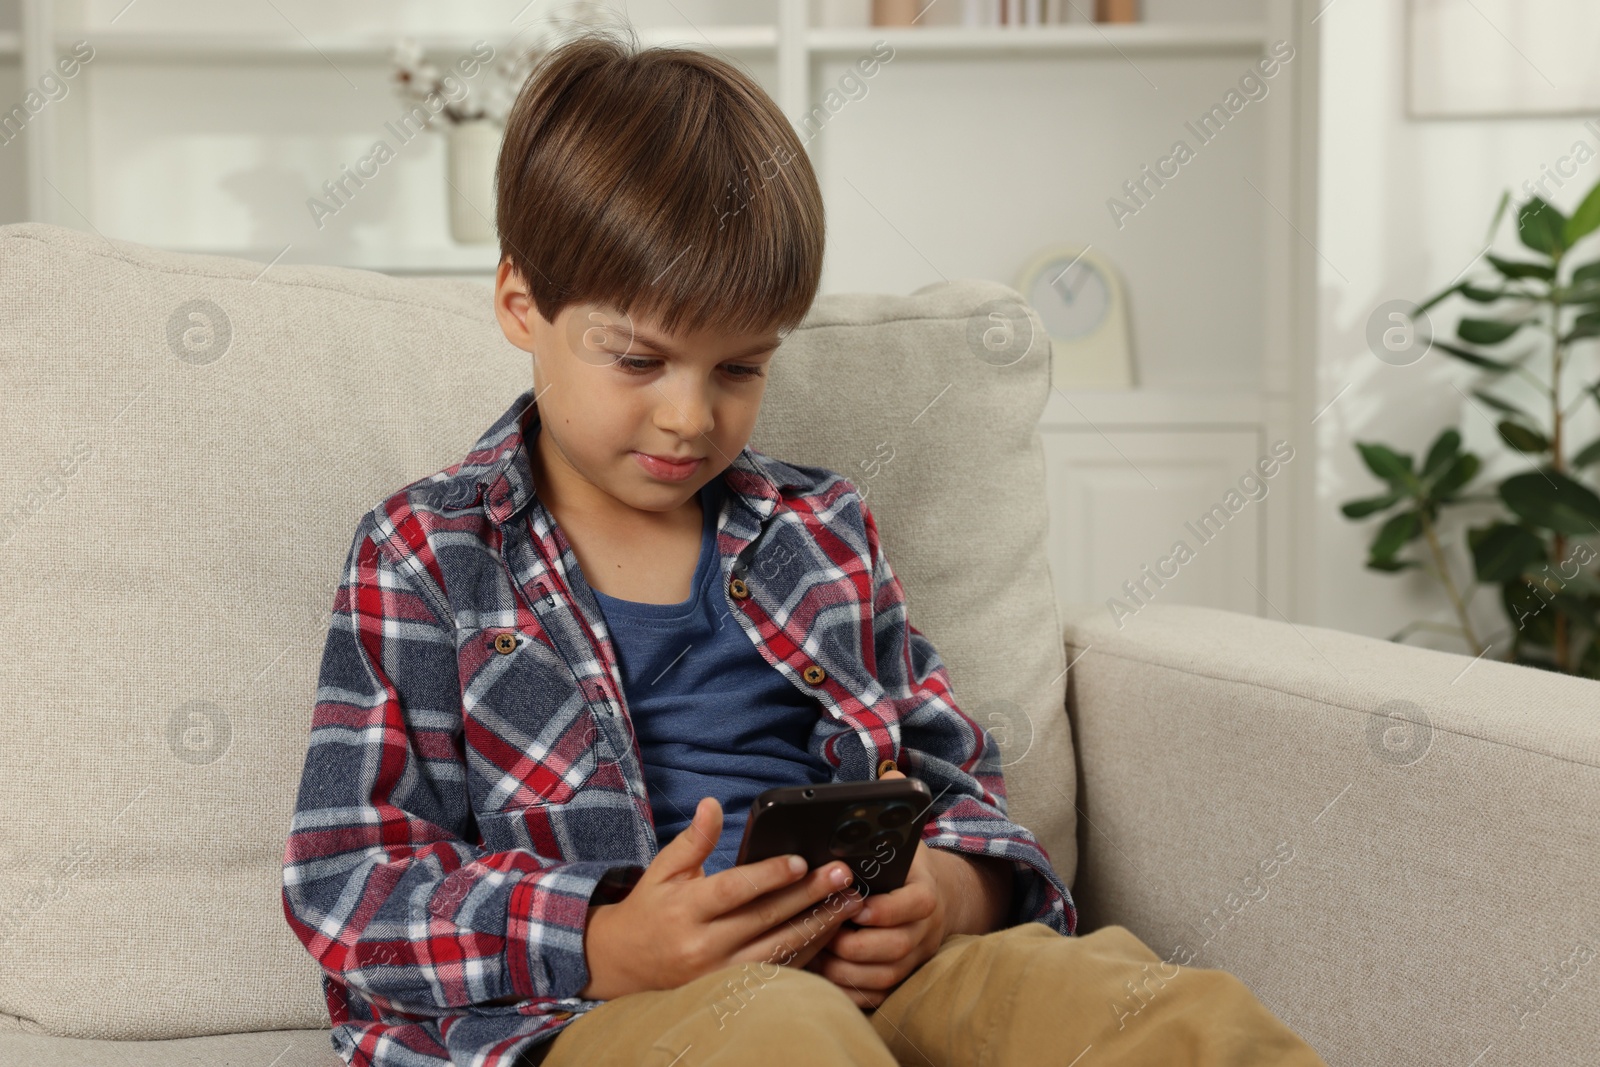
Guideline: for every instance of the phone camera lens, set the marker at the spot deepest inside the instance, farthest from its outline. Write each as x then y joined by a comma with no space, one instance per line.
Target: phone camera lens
810,793
895,815
851,831
883,844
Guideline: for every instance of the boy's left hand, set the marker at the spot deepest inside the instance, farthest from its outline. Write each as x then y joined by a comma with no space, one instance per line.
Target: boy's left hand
899,931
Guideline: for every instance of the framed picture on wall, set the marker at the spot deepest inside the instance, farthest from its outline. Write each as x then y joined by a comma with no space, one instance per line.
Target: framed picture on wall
1488,58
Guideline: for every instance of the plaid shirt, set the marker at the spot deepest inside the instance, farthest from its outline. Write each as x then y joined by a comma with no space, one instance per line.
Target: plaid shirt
473,782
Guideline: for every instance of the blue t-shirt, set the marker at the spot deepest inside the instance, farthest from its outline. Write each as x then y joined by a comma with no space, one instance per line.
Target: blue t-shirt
713,717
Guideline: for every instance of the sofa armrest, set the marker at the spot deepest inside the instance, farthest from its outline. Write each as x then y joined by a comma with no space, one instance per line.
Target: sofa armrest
1397,849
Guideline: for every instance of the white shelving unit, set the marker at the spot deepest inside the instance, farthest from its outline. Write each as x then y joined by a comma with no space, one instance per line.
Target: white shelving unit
59,139
1043,40
991,143
209,47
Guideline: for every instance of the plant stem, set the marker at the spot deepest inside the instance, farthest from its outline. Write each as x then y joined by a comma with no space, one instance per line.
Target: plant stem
1449,583
1558,462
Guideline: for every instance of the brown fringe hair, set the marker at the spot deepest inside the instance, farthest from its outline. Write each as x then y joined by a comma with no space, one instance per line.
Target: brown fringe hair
663,182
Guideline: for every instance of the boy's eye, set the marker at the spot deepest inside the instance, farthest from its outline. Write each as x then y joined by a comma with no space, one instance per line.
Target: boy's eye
645,364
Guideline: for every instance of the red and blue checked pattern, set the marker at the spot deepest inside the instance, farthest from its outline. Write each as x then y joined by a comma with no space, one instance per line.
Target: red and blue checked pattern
473,783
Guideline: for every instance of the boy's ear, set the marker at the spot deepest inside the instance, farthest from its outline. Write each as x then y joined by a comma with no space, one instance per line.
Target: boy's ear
513,307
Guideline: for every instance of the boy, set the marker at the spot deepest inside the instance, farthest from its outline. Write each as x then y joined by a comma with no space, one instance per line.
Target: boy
560,670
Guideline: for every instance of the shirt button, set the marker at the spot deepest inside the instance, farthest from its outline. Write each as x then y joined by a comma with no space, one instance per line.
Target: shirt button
504,643
738,589
813,675
886,766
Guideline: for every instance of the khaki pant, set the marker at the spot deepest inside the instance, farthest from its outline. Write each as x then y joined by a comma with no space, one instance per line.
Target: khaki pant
1016,997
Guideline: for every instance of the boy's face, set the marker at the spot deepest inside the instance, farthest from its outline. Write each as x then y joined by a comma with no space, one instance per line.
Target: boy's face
613,390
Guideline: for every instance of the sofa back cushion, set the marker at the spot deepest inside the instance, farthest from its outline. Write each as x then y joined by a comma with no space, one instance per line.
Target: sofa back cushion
190,442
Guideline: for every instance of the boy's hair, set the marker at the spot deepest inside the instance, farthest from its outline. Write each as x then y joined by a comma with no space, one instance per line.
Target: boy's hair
663,182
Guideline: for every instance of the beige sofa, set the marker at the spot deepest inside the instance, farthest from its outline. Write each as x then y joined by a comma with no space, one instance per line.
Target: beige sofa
1396,849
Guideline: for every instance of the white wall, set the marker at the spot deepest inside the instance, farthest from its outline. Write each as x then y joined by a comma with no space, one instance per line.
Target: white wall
1011,165
1404,207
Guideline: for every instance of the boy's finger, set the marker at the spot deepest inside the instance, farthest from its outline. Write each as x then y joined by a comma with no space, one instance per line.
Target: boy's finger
818,892
904,905
866,979
731,890
798,940
870,945
686,853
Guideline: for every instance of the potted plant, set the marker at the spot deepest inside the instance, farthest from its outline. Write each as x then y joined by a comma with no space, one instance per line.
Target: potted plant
474,116
1534,322
474,111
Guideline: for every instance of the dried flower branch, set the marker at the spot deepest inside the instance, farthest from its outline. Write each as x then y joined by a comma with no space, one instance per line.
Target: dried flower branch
484,83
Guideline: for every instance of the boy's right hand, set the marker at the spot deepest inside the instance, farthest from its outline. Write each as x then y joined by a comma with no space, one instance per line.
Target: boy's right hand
678,924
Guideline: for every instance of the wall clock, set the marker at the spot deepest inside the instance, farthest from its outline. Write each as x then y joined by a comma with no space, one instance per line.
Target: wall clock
1081,301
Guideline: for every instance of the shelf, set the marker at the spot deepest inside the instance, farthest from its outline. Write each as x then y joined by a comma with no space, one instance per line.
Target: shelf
958,40
729,38
448,259
203,47
1053,40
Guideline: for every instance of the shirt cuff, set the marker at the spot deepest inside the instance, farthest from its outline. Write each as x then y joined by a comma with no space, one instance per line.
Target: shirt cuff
549,913
1037,891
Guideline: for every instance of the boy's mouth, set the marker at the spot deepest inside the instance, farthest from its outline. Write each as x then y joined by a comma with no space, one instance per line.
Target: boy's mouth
666,468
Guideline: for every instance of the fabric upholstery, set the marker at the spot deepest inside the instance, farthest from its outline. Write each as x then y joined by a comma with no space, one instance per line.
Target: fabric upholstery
1393,847
190,442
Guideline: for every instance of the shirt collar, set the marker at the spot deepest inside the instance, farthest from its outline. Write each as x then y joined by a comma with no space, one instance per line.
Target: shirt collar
500,464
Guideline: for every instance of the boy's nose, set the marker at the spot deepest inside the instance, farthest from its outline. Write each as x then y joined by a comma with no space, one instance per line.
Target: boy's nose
686,412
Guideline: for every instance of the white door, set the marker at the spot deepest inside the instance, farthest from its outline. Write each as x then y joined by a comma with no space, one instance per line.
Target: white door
1159,516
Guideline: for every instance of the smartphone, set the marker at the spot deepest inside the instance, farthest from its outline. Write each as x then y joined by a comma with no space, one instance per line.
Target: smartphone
873,826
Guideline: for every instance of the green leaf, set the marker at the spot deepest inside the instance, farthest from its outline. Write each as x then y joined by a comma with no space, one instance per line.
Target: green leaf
1485,331
1589,272
1360,509
1445,448
1522,438
1516,268
1589,666
1501,405
1541,227
1481,296
1589,453
1393,536
1503,551
1578,585
1585,325
1553,501
1393,467
1570,606
1474,358
1463,470
1584,220
1392,565
1533,618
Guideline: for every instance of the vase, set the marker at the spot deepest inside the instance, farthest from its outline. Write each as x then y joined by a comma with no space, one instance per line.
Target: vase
471,154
